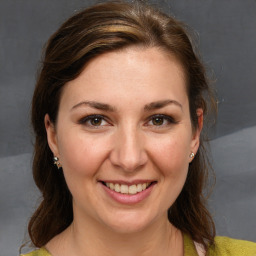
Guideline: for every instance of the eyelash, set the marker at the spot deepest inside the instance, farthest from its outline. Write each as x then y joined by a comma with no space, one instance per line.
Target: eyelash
84,120
169,119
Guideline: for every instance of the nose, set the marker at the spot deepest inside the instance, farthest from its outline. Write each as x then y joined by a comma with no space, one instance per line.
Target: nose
128,152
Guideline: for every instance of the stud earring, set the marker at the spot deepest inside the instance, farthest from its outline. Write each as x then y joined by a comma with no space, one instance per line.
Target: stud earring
56,162
192,155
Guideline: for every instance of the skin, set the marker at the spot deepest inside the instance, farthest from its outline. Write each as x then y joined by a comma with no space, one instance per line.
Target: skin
129,144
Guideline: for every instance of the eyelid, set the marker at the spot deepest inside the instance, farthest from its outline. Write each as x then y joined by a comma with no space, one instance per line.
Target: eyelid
90,117
169,118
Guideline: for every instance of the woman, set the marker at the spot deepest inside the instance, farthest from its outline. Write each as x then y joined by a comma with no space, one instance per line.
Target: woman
119,106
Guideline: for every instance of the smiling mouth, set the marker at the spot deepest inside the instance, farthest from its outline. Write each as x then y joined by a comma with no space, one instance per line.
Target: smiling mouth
128,189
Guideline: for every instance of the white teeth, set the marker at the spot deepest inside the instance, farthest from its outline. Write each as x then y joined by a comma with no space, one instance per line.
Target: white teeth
133,189
117,188
125,189
139,188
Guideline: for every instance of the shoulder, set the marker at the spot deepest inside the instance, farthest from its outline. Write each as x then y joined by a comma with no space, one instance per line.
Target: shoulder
38,252
232,247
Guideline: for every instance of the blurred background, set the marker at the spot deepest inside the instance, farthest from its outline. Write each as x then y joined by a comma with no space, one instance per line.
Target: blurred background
226,37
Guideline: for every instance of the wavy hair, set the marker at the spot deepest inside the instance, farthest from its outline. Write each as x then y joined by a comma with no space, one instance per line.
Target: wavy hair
102,28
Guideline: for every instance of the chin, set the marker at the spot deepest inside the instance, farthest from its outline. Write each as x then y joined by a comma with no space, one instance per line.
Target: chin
130,223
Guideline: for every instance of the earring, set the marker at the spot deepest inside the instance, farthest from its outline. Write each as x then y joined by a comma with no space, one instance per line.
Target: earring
56,162
192,155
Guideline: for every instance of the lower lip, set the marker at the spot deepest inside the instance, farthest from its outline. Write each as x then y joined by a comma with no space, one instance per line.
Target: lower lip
127,198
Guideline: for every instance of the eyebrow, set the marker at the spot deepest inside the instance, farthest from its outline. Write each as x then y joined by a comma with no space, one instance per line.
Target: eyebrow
161,104
96,105
106,107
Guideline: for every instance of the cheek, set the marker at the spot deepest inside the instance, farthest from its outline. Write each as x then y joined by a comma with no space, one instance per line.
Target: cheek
171,155
80,154
171,159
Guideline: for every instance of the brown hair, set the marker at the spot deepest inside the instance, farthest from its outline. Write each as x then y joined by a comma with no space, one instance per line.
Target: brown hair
102,28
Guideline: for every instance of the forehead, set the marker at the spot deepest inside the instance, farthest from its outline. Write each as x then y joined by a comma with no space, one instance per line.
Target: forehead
134,73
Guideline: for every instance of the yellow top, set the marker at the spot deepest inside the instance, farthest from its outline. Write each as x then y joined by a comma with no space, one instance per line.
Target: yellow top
224,246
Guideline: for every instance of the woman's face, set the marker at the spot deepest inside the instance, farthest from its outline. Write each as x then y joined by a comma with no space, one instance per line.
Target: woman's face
124,137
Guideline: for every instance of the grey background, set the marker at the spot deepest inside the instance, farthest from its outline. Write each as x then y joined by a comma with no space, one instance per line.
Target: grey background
227,39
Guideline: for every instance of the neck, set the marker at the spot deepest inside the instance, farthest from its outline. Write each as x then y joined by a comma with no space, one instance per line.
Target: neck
161,238
87,238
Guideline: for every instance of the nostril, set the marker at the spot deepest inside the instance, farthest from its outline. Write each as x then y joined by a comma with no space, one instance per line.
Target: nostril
128,153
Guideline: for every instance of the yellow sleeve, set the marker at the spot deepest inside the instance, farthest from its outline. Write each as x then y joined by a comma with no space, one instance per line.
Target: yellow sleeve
226,246
38,252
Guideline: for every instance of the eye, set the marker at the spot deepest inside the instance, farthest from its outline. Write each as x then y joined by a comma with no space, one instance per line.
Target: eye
161,120
94,121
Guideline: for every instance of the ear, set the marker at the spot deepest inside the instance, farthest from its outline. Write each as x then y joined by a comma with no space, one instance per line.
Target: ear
196,134
51,135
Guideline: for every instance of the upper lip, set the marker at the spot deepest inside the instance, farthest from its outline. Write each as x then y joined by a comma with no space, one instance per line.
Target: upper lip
129,183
